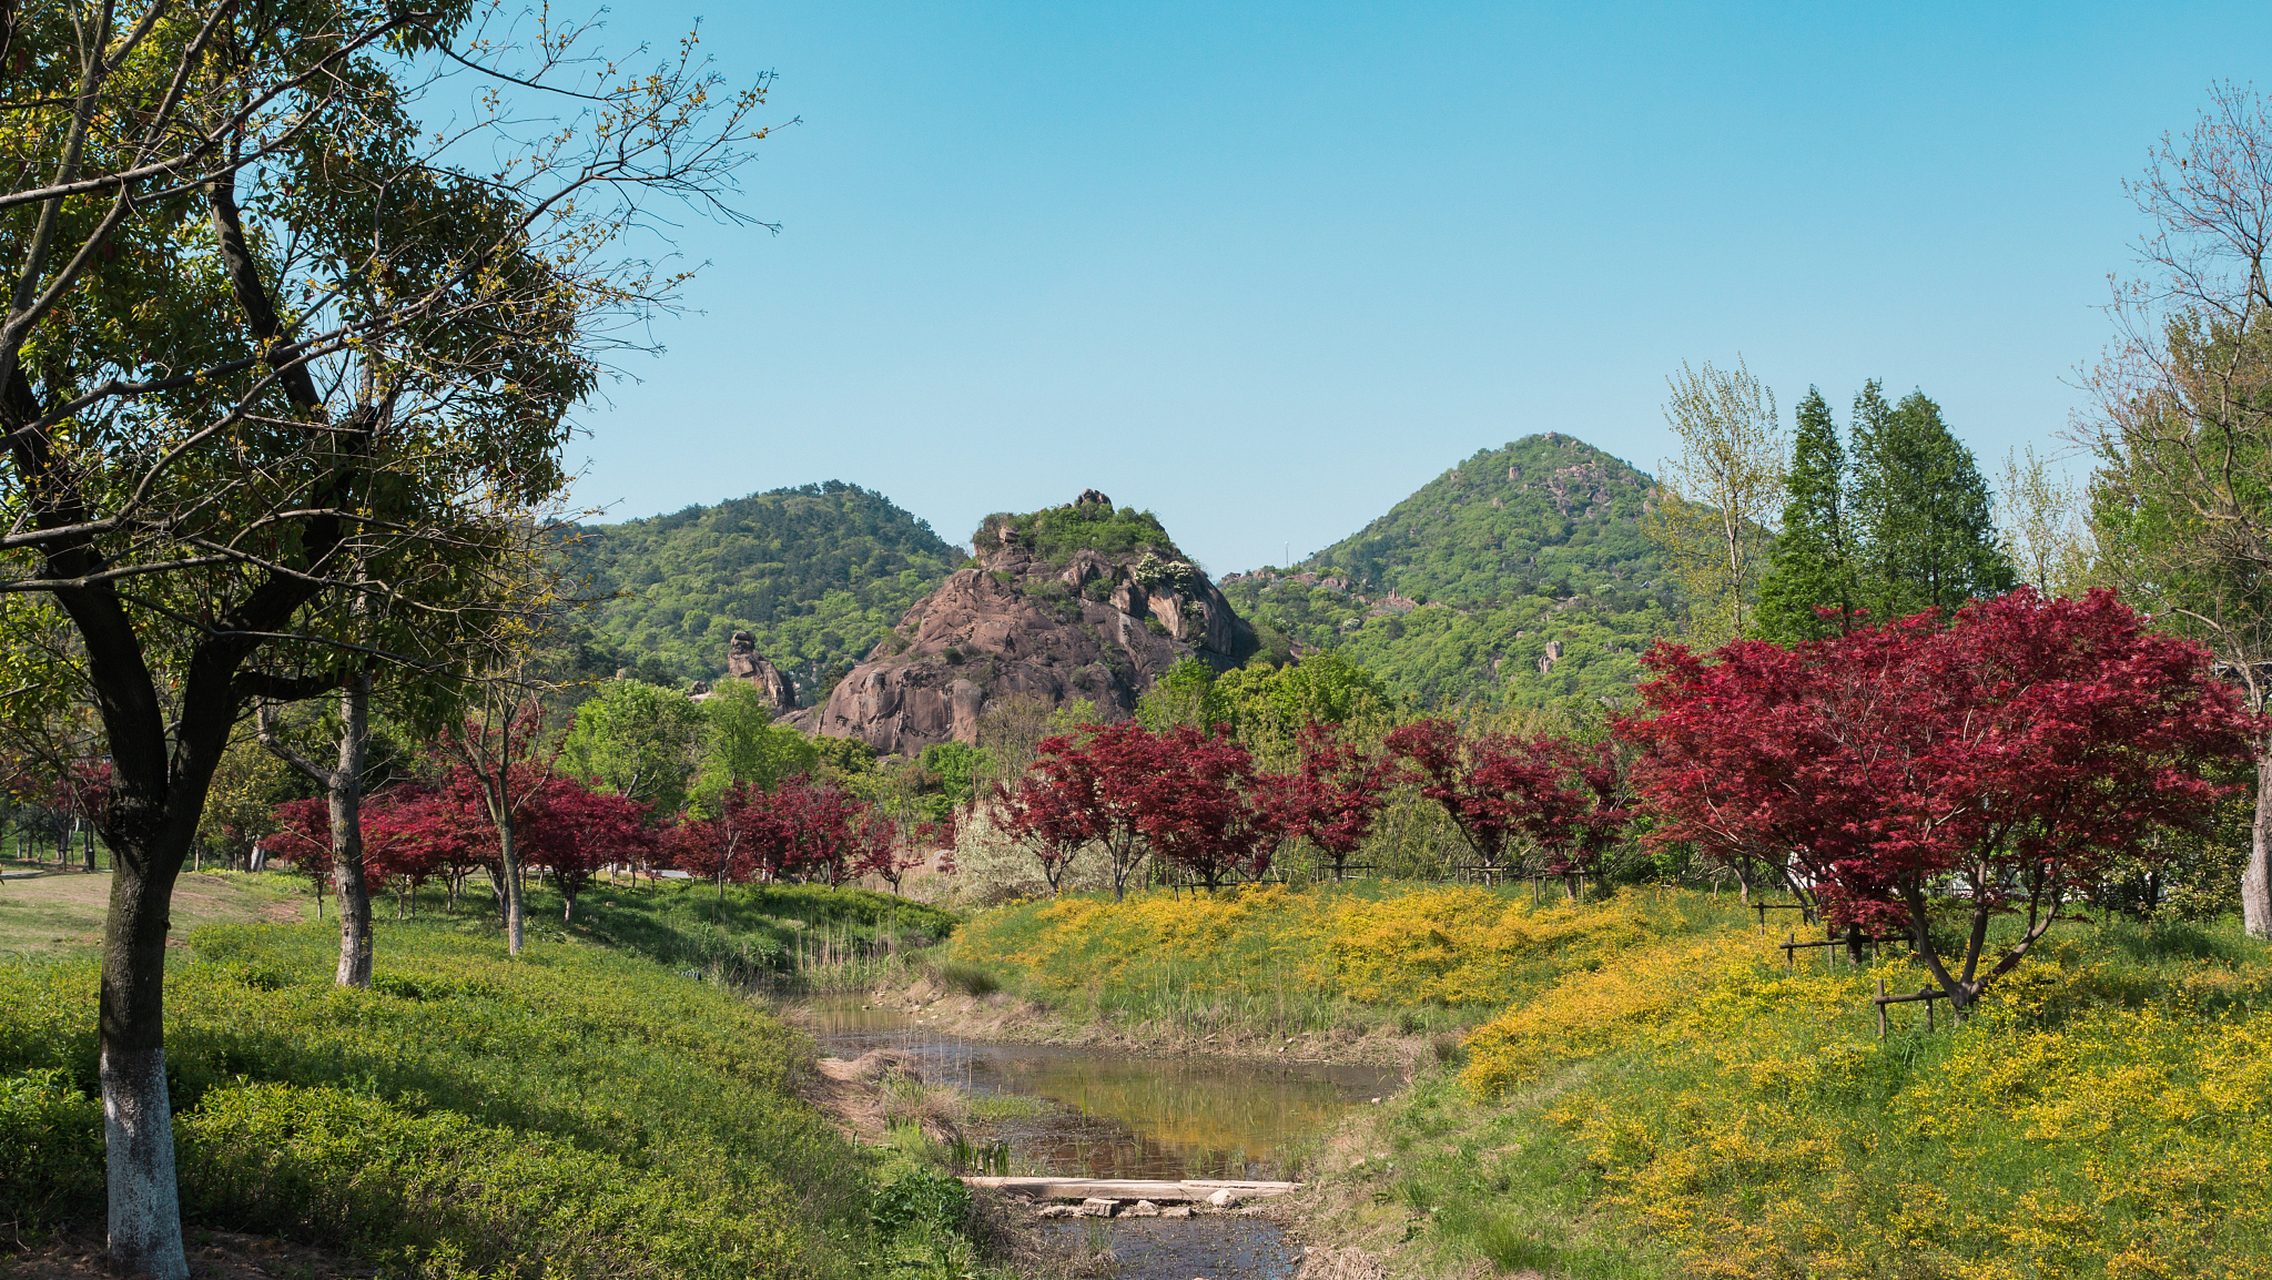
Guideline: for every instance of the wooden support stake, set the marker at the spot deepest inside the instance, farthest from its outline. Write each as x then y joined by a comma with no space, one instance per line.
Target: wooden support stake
1790,951
1881,1008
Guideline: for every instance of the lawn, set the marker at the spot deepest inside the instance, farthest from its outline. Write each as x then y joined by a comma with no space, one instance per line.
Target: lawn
63,910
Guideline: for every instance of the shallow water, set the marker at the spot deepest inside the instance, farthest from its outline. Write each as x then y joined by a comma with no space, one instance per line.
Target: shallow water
1122,1115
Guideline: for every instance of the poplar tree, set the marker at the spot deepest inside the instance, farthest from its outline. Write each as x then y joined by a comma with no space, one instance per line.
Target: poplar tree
1714,502
1812,562
1924,519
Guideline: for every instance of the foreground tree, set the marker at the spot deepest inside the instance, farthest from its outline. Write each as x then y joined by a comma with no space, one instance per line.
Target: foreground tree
1993,767
258,323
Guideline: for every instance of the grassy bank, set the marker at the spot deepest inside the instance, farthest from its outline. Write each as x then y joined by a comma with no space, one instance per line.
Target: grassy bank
1644,1089
575,1111
1271,962
59,910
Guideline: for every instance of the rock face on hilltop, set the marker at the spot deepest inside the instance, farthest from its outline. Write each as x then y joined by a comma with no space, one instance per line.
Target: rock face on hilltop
1093,623
744,662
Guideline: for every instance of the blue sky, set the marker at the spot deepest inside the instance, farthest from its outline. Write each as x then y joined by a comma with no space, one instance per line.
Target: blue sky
1265,269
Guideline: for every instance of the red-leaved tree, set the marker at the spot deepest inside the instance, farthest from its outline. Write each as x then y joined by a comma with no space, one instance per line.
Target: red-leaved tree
573,831
721,846
1337,793
1499,789
1097,789
1209,811
399,848
2001,762
303,838
1054,811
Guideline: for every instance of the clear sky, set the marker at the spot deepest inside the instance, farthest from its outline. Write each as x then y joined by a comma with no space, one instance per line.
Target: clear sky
1267,268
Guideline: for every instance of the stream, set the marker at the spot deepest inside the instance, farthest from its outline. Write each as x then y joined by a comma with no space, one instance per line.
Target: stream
1114,1115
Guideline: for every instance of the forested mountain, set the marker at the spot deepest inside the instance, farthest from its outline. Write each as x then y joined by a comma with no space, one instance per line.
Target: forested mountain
1520,575
1547,512
817,573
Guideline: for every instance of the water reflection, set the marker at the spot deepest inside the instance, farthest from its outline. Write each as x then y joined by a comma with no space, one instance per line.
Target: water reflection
1121,1115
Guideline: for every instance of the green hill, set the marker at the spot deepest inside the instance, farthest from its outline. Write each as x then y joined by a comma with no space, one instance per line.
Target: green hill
817,573
1457,594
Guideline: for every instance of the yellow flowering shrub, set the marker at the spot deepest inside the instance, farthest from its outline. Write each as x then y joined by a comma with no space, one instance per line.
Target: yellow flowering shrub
1451,946
1752,1117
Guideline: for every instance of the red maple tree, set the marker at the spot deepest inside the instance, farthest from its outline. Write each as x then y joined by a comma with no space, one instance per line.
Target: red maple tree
1499,789
573,831
1209,811
1336,794
1054,811
2001,762
1096,789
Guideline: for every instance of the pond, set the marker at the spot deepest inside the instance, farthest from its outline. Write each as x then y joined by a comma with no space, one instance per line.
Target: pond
1119,1115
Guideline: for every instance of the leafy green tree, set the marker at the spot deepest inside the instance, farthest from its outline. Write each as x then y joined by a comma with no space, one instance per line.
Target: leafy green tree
1924,523
261,331
1716,501
1269,707
2181,504
957,768
639,741
1184,694
742,746
1812,564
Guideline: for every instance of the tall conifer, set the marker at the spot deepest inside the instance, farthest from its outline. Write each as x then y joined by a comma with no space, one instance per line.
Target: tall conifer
1812,563
1926,536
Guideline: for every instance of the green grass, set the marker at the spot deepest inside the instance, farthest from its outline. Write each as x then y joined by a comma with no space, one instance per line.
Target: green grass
2101,1116
572,1112
789,939
64,910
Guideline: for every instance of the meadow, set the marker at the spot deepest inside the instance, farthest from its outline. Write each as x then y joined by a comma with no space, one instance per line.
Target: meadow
1644,1086
579,1111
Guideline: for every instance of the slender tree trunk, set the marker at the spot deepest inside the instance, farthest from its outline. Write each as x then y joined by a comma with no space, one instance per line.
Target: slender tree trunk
509,856
345,786
2256,881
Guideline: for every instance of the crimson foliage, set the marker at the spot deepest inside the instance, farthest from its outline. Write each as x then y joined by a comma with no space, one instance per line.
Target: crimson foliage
1192,799
1500,790
2001,761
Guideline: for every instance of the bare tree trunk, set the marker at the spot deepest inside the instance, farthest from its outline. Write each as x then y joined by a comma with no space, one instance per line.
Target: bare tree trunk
345,786
343,789
509,858
2256,881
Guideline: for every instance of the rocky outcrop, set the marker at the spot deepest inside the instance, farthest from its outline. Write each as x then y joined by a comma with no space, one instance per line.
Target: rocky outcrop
1095,628
744,662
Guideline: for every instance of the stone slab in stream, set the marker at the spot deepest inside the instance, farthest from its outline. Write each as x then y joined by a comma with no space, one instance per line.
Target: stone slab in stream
1216,1191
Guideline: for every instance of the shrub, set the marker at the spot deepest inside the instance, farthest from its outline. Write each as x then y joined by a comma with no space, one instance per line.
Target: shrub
51,1142
573,1112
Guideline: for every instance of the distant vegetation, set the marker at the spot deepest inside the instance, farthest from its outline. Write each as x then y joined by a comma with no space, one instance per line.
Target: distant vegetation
1455,595
817,573
1055,533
